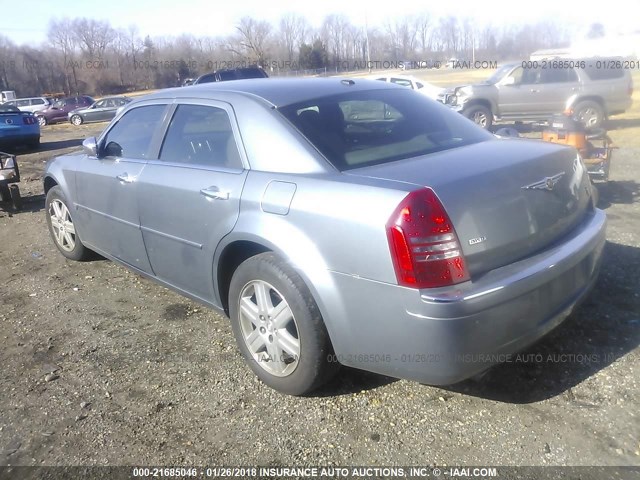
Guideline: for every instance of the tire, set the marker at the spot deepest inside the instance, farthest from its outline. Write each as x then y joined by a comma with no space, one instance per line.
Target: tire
16,198
590,114
5,194
293,357
35,144
42,121
69,243
480,115
76,120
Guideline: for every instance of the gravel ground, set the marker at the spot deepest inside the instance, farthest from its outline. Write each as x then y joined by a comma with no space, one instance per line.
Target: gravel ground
103,367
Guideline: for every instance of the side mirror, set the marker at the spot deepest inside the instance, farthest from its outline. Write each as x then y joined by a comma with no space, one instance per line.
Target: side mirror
509,81
90,146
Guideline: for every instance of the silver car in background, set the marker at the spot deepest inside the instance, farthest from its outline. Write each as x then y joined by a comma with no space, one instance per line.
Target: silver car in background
337,221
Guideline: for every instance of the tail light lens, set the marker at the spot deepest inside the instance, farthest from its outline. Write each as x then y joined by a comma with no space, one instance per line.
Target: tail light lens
424,246
29,120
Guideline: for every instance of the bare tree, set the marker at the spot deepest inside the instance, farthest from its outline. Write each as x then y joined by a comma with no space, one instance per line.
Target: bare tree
62,38
253,38
333,32
450,35
93,36
293,31
402,36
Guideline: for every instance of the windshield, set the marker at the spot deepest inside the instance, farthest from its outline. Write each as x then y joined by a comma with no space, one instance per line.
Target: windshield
498,74
363,128
5,107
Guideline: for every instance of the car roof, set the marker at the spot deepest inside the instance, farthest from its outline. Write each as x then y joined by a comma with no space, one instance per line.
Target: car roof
277,91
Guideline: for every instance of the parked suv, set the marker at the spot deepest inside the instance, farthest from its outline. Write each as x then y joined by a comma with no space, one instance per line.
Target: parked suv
231,74
32,104
590,89
59,110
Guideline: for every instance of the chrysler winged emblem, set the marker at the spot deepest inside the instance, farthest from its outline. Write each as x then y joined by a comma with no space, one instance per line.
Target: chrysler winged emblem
547,183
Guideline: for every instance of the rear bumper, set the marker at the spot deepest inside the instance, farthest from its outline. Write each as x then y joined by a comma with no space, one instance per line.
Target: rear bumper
443,336
19,139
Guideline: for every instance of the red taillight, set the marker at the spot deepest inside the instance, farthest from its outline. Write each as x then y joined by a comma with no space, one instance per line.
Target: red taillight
424,246
29,120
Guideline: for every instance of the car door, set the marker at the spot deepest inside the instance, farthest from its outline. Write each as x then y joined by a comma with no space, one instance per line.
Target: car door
517,98
94,112
190,197
555,87
107,185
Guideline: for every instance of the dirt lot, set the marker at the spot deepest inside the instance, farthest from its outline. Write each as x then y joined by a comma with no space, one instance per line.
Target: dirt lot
102,367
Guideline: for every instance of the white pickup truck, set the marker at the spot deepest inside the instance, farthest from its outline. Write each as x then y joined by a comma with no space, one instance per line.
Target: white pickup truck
7,95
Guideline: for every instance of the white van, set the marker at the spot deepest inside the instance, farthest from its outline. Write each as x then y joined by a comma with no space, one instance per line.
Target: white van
32,104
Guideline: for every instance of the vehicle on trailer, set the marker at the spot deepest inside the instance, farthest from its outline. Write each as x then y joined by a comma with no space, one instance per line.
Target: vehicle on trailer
337,221
9,178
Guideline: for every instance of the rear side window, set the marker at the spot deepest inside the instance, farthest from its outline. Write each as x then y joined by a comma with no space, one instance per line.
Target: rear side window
37,101
364,128
595,73
558,75
211,77
201,135
131,136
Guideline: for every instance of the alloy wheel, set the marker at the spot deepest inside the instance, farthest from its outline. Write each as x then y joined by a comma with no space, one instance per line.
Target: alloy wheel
269,328
64,231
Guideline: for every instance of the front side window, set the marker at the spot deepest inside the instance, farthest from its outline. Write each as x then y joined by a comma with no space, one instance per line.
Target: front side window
131,136
101,104
364,128
201,135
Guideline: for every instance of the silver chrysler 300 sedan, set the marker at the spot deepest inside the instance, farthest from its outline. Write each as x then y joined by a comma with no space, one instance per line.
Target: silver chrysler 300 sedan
337,222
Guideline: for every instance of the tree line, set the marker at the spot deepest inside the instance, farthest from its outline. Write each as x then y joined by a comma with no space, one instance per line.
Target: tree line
89,56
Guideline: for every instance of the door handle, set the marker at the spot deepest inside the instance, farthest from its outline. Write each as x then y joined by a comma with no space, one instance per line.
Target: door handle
125,178
215,192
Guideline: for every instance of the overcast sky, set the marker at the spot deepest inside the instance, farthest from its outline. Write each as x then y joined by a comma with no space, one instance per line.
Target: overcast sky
27,21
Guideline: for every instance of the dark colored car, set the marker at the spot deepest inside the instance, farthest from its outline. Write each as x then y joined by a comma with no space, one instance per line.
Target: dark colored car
100,111
60,108
18,128
231,74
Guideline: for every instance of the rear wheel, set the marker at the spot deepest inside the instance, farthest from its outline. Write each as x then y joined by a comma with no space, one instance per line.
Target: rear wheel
76,120
62,228
589,113
479,114
278,326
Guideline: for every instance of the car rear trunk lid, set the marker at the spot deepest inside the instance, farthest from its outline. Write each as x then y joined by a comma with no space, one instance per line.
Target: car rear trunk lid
507,198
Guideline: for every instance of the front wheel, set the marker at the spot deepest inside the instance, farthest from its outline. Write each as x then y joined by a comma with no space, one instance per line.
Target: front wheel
480,115
76,120
62,228
42,121
278,326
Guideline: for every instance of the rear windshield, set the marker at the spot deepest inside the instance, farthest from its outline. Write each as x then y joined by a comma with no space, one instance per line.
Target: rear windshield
363,128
